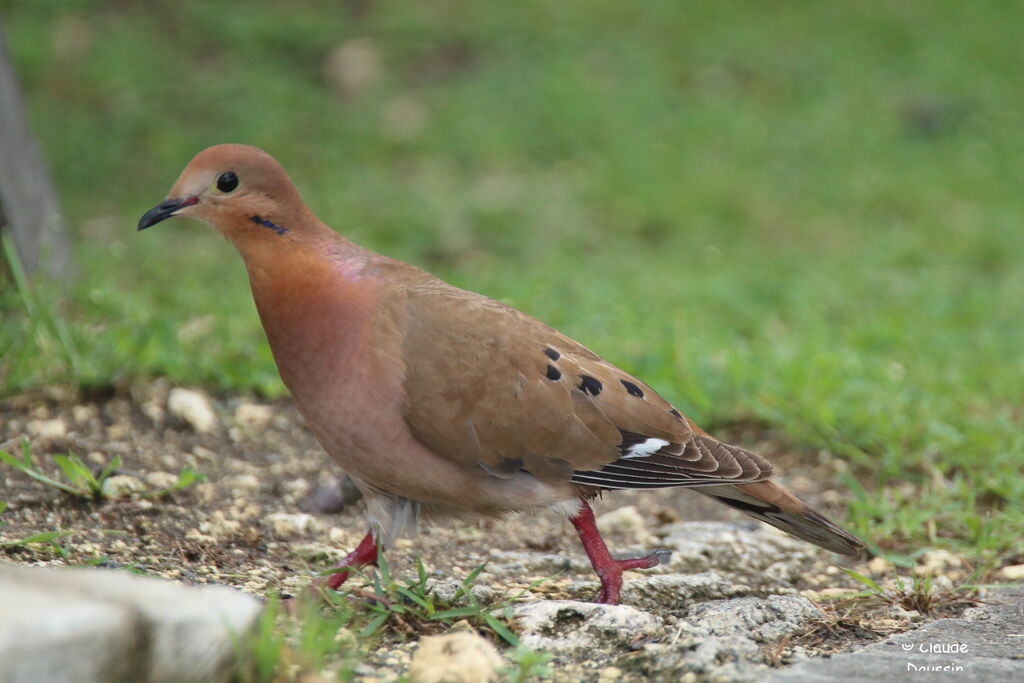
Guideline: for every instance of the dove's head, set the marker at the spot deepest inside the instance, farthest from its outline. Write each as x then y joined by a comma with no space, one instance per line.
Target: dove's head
240,190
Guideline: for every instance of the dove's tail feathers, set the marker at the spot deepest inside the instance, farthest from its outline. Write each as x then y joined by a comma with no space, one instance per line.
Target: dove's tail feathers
772,504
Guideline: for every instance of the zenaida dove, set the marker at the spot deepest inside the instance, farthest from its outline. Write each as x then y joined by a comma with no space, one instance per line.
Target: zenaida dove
439,400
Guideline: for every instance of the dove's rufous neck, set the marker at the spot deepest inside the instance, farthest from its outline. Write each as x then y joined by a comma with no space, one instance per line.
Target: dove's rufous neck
315,304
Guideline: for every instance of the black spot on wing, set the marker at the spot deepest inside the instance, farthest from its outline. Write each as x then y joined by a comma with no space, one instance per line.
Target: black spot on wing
633,389
590,385
552,354
553,373
675,413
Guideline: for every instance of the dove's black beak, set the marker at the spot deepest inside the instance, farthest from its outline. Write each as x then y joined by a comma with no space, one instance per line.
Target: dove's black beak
164,209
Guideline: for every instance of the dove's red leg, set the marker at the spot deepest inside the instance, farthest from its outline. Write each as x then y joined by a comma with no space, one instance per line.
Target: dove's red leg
365,553
608,569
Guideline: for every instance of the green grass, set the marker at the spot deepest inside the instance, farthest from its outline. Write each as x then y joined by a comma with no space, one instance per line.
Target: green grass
335,636
804,215
76,479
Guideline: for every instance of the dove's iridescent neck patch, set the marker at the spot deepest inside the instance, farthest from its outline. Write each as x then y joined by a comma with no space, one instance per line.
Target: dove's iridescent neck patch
259,220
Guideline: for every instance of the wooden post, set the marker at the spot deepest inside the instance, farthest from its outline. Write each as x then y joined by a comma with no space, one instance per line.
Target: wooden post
29,209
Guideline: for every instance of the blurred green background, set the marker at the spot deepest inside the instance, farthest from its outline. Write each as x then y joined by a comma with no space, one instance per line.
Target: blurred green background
801,215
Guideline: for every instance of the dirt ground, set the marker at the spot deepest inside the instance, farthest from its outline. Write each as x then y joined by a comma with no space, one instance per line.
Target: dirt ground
272,512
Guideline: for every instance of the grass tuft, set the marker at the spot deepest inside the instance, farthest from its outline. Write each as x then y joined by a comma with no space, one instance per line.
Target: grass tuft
79,481
333,635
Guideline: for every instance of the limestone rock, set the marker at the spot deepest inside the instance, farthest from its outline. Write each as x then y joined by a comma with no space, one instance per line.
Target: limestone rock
459,657
570,627
509,562
723,640
746,552
88,625
678,591
65,639
447,589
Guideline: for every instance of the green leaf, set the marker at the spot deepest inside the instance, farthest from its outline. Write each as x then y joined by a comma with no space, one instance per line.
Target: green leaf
76,472
44,537
97,482
471,578
12,461
373,625
865,580
414,597
26,467
457,612
501,629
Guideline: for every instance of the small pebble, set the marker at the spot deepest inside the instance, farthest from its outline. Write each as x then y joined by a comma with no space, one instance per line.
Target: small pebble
285,524
121,486
1014,572
47,429
194,408
253,415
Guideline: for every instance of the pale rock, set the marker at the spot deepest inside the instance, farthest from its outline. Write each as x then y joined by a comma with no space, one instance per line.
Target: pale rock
724,640
64,638
82,414
339,536
745,552
194,408
47,429
199,537
154,411
121,486
220,526
1013,572
517,563
879,565
447,589
253,415
460,657
297,488
937,561
204,453
206,491
285,524
244,482
569,627
160,480
625,520
677,591
98,625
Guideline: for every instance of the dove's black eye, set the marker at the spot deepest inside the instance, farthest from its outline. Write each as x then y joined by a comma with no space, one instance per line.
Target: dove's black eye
227,181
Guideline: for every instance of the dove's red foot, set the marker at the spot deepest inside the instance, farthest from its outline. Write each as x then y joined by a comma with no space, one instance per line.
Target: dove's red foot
364,554
608,569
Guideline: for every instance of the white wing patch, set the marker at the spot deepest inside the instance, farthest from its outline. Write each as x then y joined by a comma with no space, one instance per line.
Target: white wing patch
650,446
